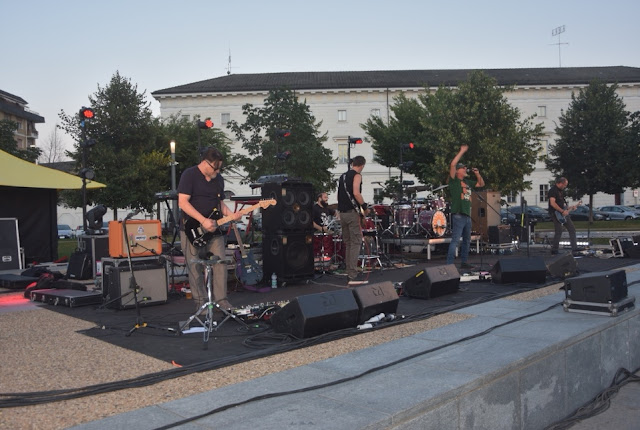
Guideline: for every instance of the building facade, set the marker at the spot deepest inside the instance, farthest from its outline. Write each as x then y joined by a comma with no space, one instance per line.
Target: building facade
14,108
345,100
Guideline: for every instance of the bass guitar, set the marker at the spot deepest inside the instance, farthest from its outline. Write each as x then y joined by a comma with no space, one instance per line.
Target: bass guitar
248,271
561,219
199,237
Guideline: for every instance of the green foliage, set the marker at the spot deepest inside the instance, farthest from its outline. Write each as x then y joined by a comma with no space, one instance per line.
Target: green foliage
9,144
502,145
598,144
309,159
127,156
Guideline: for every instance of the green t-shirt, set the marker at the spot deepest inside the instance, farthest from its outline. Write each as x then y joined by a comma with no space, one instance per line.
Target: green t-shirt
461,199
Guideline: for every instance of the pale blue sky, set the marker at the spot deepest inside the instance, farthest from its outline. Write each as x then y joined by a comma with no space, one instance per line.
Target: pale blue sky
54,54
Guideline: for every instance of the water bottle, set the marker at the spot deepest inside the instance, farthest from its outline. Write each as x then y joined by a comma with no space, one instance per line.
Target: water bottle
274,280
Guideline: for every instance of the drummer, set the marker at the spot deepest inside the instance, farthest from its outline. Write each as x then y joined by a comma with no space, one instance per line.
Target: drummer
322,213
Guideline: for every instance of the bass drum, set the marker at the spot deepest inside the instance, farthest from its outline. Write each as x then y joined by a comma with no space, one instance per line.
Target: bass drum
433,222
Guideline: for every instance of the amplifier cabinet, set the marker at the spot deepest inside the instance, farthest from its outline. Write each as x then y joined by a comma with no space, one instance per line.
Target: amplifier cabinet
96,246
150,275
144,237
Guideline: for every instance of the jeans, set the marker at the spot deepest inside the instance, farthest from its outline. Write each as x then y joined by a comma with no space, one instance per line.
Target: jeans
558,233
460,227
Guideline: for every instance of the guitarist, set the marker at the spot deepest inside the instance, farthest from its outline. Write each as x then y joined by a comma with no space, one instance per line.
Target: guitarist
200,191
557,203
350,206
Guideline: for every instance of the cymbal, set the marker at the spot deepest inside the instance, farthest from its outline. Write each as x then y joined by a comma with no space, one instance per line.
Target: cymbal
441,187
418,188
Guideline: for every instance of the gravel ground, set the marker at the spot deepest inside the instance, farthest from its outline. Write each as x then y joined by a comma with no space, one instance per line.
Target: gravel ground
43,350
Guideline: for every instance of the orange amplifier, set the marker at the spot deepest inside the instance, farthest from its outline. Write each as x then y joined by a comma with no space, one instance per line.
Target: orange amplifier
144,238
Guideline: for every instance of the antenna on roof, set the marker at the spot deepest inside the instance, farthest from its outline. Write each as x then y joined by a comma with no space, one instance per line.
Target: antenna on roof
557,32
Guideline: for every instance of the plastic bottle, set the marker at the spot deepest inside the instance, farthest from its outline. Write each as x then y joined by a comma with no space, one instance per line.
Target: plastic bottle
274,280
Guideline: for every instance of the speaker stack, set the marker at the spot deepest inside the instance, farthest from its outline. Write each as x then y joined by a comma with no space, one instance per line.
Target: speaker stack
287,228
9,244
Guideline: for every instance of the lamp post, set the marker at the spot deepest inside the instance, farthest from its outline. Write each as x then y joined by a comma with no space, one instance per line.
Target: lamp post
174,204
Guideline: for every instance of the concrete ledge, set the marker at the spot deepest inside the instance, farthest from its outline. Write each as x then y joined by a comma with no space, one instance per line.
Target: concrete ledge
524,375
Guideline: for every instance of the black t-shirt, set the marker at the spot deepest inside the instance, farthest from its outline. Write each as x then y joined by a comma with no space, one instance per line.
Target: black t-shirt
344,198
556,193
205,195
321,214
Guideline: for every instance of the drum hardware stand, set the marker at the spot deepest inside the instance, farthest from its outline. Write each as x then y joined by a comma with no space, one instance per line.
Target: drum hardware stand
323,256
368,256
209,324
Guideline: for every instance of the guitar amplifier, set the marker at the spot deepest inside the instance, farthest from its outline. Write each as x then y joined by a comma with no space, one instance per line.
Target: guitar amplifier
150,275
144,237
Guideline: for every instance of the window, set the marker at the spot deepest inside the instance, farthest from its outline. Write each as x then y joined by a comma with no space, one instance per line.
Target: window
375,112
542,111
377,195
544,192
343,153
187,117
19,127
511,197
342,116
544,146
225,118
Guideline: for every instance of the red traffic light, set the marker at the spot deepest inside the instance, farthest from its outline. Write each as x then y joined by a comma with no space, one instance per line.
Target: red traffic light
86,113
207,123
409,145
283,133
355,140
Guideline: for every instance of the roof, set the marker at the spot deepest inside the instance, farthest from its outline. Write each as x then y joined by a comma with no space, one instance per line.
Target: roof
402,79
12,97
16,172
19,111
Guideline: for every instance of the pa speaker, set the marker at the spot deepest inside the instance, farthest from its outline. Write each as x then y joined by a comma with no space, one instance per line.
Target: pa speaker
293,210
315,314
432,282
500,234
79,266
374,299
289,256
485,211
598,287
562,266
527,270
150,276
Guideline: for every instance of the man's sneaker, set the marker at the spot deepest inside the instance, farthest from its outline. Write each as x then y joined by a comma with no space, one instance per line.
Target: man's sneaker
358,280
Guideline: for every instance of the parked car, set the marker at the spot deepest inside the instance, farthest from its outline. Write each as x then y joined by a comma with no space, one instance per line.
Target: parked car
65,231
507,216
535,213
581,213
619,212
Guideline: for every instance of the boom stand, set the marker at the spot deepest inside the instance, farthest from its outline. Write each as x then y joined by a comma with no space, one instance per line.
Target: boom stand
209,324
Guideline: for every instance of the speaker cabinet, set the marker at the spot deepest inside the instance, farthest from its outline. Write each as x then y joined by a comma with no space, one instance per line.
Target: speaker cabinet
97,246
144,236
79,266
562,266
293,210
527,270
375,299
485,211
598,287
9,244
500,234
433,282
150,275
289,256
315,314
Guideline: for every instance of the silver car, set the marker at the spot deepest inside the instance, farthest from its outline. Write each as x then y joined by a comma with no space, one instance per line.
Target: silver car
619,212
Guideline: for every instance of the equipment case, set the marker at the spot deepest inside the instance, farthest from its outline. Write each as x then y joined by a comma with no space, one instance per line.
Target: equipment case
70,298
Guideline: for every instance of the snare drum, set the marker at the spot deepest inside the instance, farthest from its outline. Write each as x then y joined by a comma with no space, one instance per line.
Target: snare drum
434,222
405,215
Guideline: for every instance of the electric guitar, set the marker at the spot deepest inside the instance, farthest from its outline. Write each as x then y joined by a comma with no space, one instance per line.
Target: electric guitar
199,237
561,219
248,271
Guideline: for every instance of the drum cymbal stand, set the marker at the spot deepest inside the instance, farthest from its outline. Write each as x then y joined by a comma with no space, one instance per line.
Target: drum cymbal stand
209,324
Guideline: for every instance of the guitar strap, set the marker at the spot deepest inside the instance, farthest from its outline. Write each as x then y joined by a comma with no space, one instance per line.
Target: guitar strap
355,204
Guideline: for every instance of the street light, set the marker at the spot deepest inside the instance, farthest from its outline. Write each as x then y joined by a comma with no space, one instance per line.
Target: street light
174,204
352,141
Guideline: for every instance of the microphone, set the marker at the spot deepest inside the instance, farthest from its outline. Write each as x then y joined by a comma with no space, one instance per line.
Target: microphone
132,214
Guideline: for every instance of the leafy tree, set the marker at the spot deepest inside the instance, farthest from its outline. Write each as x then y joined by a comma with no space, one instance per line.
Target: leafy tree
598,143
126,155
309,159
9,144
501,143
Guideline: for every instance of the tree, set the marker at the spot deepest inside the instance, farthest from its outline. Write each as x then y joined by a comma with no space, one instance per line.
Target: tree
501,143
126,155
598,143
309,160
9,144
52,148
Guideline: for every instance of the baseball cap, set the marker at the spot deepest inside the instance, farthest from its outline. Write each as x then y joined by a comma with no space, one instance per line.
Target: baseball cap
461,166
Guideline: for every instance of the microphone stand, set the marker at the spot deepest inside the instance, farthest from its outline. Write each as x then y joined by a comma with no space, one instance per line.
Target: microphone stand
525,220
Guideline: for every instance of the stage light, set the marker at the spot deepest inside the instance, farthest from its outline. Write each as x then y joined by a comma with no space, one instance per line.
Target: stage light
206,124
87,173
94,217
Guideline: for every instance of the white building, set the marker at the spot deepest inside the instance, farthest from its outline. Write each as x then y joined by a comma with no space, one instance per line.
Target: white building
345,100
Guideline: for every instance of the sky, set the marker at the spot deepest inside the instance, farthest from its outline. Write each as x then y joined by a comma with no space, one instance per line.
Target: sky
55,54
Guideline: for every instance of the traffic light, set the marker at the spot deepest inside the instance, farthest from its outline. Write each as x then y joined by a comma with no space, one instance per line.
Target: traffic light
406,165
86,114
355,140
283,133
206,124
409,145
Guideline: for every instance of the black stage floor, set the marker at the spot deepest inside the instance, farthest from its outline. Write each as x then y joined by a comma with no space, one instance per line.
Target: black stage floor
232,343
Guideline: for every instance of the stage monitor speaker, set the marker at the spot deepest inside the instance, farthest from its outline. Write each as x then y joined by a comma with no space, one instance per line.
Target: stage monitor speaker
79,266
598,287
500,234
315,314
374,299
293,211
150,275
562,266
9,244
289,256
145,238
527,270
432,282
485,211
